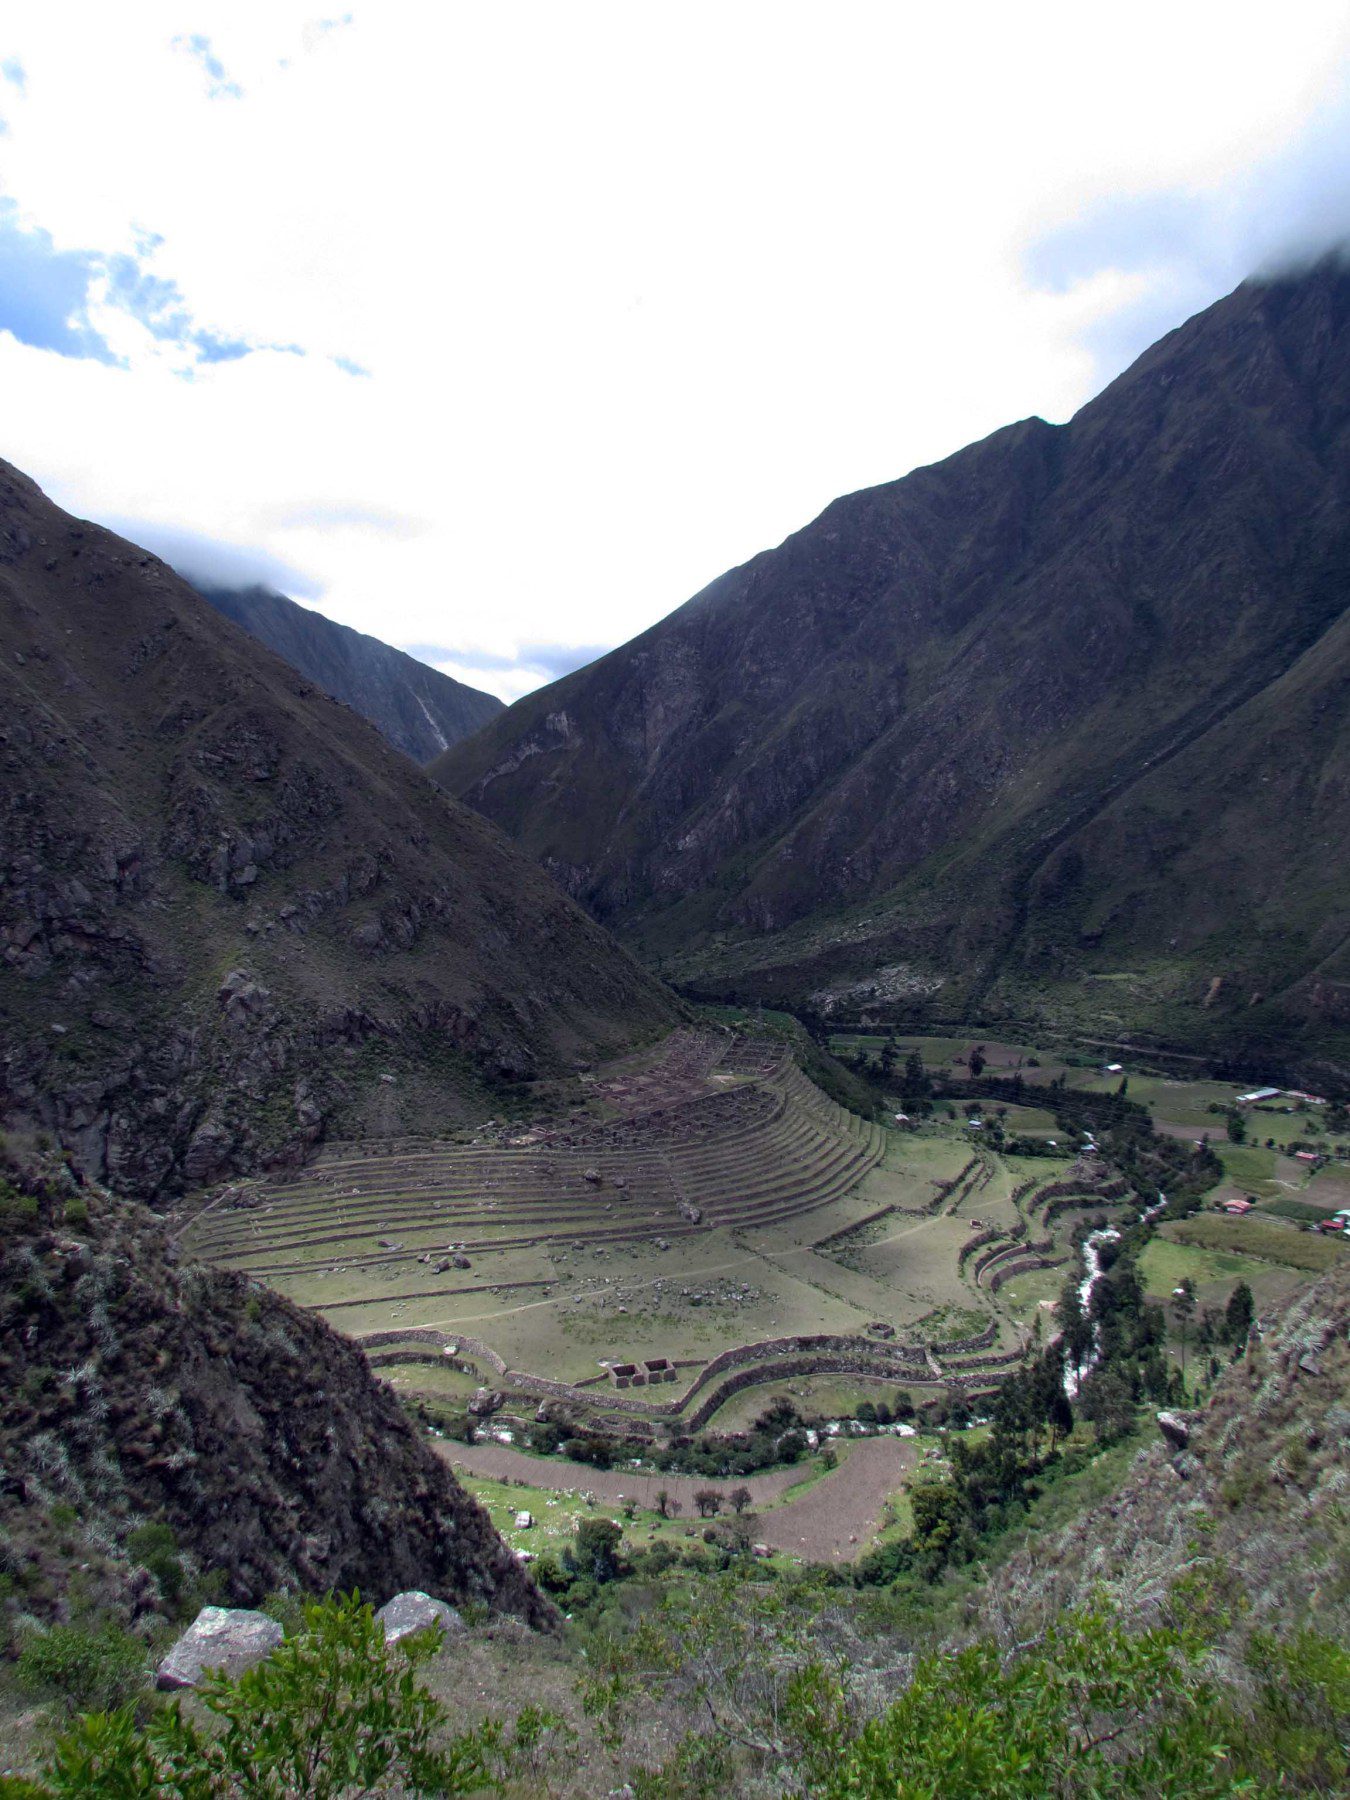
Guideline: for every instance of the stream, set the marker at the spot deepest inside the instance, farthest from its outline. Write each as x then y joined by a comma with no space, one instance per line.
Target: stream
1092,1274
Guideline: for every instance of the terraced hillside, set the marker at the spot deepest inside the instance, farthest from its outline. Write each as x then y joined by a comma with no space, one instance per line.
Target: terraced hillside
710,1219
716,1134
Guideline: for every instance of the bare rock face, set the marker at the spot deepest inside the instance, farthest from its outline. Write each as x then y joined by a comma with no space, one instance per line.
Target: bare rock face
414,1611
419,710
223,1638
255,1432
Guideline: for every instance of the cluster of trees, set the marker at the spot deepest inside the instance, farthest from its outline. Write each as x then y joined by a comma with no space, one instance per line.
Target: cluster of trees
1114,1357
778,1436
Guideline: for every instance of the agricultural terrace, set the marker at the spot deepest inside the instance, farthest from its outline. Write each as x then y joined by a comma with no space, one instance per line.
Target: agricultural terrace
708,1210
1291,1157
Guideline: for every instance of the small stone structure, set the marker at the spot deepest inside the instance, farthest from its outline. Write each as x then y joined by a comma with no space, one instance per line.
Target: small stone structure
644,1374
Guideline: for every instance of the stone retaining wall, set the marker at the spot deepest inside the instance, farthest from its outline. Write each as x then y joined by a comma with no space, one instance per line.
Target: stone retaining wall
821,1353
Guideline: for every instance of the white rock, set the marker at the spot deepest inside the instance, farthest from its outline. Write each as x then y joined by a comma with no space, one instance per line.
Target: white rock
524,1521
415,1611
220,1637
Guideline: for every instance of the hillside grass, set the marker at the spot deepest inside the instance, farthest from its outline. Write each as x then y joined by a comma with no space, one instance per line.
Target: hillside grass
1263,1240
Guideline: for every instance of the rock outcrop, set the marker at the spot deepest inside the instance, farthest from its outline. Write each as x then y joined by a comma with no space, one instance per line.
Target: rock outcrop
414,1611
221,1639
142,1388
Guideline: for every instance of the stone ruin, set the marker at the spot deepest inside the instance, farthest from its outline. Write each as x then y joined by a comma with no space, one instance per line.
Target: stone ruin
644,1374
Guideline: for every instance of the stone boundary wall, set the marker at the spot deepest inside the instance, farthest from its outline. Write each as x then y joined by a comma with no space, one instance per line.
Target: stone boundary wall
844,1230
1023,1267
990,1234
822,1353
959,1346
1096,1190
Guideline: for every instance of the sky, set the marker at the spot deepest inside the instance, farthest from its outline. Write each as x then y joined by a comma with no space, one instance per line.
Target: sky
499,331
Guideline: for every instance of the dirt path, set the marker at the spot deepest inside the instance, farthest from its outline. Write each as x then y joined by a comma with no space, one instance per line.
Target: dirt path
832,1521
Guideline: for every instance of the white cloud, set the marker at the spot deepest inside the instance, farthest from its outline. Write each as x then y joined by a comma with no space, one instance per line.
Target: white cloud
639,289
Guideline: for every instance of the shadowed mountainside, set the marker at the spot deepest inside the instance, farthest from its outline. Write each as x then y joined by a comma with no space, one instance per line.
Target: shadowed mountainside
1055,729
231,916
419,710
142,1386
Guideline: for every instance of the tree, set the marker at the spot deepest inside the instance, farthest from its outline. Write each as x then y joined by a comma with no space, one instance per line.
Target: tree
740,1498
1239,1314
938,1516
976,1061
887,1059
708,1501
915,1083
663,1502
595,1551
1059,1416
1108,1401
1237,1127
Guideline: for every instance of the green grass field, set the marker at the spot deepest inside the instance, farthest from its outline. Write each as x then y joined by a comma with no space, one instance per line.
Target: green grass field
1166,1263
1264,1240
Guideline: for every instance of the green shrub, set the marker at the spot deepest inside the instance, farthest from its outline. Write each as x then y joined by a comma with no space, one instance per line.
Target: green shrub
82,1669
333,1711
155,1548
16,1208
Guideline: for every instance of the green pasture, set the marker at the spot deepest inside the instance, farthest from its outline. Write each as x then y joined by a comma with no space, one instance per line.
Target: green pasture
1264,1239
1165,1264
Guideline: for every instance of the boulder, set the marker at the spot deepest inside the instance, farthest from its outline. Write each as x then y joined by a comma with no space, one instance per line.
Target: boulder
218,1638
524,1521
415,1611
1175,1429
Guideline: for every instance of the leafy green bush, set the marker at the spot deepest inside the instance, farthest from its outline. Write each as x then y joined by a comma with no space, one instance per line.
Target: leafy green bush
82,1669
334,1711
1094,1711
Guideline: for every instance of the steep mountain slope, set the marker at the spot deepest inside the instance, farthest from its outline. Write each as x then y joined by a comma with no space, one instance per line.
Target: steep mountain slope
231,916
139,1386
1254,1506
1056,727
419,710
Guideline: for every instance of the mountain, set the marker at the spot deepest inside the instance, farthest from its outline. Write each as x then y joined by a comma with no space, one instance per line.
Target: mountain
1053,730
140,1386
232,917
419,710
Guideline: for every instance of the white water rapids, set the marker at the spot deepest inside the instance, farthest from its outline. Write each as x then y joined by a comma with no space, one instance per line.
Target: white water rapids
1075,1375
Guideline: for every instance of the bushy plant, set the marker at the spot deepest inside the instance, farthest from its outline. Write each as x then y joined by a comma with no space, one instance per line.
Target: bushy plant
81,1668
334,1712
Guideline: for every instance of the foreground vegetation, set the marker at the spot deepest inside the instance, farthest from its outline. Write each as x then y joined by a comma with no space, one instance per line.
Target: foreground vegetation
759,1678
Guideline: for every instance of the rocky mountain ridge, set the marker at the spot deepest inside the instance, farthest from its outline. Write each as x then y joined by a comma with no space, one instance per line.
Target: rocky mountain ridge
141,1386
1055,729
231,915
419,710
